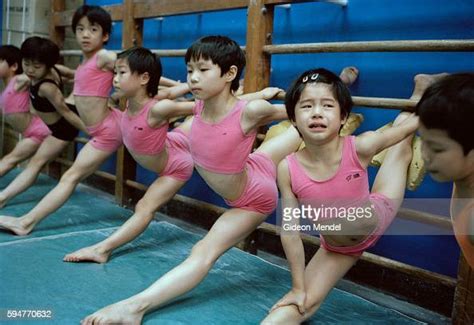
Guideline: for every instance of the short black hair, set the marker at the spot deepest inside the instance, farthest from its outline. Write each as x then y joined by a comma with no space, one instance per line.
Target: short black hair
96,15
222,51
448,105
40,49
12,55
141,60
340,91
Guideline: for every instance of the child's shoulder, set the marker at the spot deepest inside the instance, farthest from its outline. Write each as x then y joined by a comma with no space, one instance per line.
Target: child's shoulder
255,107
106,59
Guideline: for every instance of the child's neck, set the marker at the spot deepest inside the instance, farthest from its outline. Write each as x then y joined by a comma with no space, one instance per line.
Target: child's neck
219,105
88,55
136,103
323,151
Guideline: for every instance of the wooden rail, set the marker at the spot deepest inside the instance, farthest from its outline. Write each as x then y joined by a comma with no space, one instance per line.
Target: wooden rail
372,46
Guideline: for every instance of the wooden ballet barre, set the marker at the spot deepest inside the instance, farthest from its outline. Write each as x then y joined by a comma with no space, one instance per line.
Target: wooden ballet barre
161,53
391,103
170,53
136,185
162,8
380,102
426,218
373,46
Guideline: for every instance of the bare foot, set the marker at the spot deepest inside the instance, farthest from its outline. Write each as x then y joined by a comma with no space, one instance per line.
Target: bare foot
423,81
15,225
349,75
122,312
91,253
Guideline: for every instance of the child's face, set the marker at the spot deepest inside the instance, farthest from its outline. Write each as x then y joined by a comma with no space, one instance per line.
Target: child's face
34,69
444,157
126,83
90,36
204,78
317,113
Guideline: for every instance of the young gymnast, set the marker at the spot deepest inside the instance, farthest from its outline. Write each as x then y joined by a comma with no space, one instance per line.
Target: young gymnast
92,86
331,172
145,125
15,106
446,112
45,84
221,138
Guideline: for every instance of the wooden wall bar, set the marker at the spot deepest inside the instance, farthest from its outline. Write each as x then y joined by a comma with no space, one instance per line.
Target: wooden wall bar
373,46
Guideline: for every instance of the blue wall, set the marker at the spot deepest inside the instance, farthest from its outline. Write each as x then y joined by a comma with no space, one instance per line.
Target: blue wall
381,75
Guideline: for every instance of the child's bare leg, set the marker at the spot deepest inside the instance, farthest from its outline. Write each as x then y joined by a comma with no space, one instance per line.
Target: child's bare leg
349,75
392,176
88,161
47,151
233,226
281,146
23,150
160,192
423,81
321,275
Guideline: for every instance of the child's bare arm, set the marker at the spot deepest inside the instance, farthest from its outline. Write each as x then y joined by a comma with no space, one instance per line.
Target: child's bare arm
106,59
291,241
370,143
167,82
266,93
54,95
167,109
173,92
260,112
65,72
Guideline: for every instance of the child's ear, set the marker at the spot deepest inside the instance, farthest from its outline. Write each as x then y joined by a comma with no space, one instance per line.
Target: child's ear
344,120
14,67
144,78
232,73
105,38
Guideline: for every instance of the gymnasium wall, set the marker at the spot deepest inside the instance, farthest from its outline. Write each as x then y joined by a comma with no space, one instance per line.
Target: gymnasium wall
381,75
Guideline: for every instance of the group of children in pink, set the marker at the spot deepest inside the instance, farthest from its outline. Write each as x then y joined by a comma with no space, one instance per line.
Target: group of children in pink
218,142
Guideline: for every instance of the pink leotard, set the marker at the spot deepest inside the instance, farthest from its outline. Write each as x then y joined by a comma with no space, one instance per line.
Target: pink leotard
349,184
224,148
220,147
138,136
89,80
12,101
142,139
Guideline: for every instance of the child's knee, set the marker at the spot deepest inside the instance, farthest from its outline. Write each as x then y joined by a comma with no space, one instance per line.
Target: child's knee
144,208
202,254
71,176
